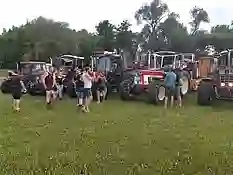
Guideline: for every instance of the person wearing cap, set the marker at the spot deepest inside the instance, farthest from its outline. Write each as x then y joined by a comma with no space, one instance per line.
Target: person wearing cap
17,87
170,86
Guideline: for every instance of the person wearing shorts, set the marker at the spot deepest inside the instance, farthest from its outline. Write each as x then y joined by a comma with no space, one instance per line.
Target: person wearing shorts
178,87
16,90
87,78
49,82
170,85
101,87
79,86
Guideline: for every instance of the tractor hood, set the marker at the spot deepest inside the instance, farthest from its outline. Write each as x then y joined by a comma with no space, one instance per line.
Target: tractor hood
157,73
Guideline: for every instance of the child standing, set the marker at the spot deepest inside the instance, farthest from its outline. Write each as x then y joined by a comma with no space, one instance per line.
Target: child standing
16,90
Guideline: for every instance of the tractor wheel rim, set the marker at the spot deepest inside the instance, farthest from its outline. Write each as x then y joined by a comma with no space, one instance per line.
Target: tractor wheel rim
185,86
161,94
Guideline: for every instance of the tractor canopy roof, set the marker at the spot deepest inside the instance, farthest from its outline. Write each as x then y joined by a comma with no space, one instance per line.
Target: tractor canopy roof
72,57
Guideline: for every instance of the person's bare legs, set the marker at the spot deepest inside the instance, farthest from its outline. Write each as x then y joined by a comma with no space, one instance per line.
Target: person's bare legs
79,101
165,102
172,101
179,101
17,104
84,104
88,101
60,91
49,98
105,93
13,104
98,96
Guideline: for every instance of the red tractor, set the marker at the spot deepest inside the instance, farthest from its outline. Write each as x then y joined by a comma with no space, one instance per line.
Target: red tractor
149,79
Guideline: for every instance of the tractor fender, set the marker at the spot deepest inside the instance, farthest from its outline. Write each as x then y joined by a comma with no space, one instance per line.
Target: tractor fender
153,91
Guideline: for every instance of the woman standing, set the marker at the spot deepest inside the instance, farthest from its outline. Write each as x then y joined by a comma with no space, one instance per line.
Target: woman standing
16,90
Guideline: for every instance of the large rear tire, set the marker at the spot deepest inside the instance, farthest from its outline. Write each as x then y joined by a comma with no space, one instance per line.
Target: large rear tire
156,93
5,87
124,90
205,93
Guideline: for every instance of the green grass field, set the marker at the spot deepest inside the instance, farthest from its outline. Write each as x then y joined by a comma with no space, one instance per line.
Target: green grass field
116,138
3,72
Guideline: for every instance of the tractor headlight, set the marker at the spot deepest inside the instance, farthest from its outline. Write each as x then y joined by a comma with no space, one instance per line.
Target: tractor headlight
223,84
230,84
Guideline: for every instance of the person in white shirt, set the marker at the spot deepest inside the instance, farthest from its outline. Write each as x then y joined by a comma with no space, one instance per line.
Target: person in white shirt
87,78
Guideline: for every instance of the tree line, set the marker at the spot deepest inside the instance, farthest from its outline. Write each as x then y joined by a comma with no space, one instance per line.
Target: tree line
42,38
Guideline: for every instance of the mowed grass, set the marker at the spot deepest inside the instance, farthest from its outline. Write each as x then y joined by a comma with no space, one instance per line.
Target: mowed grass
116,138
3,72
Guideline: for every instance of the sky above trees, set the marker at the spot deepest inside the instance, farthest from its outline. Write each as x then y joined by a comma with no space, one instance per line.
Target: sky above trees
86,14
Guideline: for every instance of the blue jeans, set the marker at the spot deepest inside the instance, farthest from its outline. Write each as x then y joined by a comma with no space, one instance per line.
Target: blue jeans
87,92
80,92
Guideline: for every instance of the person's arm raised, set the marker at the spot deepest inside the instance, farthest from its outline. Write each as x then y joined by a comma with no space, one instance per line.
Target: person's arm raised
88,76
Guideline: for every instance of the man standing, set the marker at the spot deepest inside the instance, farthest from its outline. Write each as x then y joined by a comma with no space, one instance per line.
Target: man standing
170,87
87,78
178,86
49,82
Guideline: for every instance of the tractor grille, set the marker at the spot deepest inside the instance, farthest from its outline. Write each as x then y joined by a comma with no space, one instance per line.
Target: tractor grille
226,78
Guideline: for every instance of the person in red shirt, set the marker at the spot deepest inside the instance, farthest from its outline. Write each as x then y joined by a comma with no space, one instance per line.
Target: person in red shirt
49,82
101,87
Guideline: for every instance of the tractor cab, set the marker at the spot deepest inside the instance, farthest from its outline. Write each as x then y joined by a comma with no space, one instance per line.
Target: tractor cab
164,59
31,67
225,68
108,62
111,64
66,62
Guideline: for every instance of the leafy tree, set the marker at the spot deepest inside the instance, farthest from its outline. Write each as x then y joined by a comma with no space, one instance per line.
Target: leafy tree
107,31
124,36
39,39
221,29
198,15
152,14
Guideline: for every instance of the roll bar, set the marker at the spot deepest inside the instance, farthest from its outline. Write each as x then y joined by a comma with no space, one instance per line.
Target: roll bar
156,55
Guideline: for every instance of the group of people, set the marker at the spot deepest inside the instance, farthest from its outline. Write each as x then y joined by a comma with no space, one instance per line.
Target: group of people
52,81
83,81
173,83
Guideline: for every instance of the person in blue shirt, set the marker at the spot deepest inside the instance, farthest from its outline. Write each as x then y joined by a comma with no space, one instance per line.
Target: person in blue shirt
170,87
